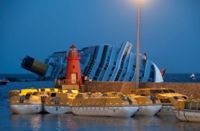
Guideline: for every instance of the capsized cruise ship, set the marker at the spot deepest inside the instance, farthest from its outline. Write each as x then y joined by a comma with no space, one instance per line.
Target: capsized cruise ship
98,63
62,99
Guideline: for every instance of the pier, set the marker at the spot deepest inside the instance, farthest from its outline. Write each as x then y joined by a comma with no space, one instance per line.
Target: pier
192,90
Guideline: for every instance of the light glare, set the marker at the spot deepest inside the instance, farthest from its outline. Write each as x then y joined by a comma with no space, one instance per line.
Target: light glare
138,2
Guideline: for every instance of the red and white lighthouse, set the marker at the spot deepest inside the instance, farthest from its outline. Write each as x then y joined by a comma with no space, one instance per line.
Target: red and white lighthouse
73,70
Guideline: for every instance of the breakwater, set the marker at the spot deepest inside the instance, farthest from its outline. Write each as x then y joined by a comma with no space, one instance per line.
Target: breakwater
190,89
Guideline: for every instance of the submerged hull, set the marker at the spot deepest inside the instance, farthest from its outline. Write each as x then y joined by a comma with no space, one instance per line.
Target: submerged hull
26,109
188,115
57,109
105,111
149,110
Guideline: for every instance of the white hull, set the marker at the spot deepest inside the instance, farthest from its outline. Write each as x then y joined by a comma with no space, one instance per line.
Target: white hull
149,110
186,115
166,110
105,111
26,109
58,109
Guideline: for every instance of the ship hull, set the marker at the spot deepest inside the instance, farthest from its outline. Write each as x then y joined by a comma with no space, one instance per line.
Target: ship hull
26,109
105,111
188,115
148,110
57,109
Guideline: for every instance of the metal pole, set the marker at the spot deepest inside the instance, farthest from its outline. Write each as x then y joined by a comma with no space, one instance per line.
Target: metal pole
138,45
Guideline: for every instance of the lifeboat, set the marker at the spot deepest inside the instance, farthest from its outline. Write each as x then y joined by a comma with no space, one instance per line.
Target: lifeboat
167,97
29,103
169,100
193,76
188,110
59,102
147,107
107,104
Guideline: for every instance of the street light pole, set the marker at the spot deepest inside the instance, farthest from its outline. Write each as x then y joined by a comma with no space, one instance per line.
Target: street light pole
137,73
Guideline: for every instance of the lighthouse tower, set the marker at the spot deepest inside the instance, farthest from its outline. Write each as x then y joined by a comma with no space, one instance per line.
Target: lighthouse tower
73,71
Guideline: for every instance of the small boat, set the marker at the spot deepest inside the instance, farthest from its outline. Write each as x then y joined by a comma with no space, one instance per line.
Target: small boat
169,100
59,102
107,104
147,107
3,82
188,110
167,97
193,76
30,103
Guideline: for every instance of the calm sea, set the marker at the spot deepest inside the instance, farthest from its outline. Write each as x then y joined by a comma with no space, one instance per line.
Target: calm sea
68,122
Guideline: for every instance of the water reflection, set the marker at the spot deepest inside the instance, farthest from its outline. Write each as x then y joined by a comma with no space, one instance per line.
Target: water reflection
32,121
188,126
60,122
74,123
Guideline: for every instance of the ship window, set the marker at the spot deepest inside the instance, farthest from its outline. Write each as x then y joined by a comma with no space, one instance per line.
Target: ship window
171,91
194,106
165,101
184,97
53,94
104,95
155,91
187,105
27,96
165,91
175,97
114,93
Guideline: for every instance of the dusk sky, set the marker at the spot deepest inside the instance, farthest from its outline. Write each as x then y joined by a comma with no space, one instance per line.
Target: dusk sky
170,29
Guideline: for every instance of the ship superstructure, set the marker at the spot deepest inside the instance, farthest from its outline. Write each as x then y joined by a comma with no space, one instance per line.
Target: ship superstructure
99,63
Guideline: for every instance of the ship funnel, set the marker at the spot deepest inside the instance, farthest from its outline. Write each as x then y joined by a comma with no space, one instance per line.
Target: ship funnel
34,66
